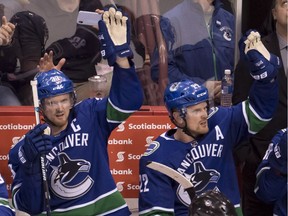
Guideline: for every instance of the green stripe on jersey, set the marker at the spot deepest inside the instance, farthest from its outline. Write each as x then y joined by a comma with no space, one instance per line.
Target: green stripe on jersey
255,123
104,205
114,114
158,212
5,202
239,211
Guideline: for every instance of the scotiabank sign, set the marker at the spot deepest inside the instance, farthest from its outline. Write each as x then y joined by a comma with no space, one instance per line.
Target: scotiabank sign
125,146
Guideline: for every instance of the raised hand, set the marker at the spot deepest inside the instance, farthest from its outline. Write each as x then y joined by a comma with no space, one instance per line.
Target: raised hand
253,42
6,32
263,64
114,35
46,63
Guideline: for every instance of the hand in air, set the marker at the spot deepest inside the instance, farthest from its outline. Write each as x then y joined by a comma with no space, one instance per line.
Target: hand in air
114,35
6,32
46,63
263,64
253,42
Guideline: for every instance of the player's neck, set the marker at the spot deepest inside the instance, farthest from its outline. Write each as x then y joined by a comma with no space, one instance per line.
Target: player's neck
180,135
56,130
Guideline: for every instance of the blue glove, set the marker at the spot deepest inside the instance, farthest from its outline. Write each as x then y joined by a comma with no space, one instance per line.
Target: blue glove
36,143
263,64
278,156
114,35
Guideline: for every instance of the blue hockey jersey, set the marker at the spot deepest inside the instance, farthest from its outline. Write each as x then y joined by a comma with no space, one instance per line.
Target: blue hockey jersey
5,208
195,51
209,162
80,181
271,186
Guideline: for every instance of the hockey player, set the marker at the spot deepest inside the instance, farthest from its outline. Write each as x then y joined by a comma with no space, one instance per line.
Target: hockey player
201,146
79,178
5,208
271,185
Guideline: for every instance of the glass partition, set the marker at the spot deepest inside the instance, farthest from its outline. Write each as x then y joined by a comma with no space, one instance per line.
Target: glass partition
171,39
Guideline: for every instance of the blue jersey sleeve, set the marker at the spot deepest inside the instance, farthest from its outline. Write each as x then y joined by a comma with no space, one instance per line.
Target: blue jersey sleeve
125,96
271,184
5,208
261,105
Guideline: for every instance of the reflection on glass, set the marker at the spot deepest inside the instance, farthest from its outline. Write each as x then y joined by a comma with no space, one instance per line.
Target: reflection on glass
171,39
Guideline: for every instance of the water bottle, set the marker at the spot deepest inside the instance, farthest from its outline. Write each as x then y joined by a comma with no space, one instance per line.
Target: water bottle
227,89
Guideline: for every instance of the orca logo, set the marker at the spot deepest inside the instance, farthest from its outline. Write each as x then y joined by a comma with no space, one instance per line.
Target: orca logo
227,33
121,127
200,179
120,156
65,181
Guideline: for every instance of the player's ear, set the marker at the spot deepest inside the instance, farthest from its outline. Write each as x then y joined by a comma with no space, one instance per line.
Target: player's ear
178,118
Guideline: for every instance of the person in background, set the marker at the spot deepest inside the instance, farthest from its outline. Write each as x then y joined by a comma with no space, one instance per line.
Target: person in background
7,96
199,35
22,56
5,208
251,151
271,175
77,160
81,51
201,146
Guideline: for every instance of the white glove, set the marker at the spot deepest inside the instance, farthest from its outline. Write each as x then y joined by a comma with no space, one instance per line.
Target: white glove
253,41
116,25
114,35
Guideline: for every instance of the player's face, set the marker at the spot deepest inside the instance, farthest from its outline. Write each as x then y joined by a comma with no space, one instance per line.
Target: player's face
57,110
196,118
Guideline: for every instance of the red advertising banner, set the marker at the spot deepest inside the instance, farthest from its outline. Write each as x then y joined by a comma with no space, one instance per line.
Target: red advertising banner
126,144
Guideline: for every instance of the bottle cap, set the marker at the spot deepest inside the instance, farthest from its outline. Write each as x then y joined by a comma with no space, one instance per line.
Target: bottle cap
227,71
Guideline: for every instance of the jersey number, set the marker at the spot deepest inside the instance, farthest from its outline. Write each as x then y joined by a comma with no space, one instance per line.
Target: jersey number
143,183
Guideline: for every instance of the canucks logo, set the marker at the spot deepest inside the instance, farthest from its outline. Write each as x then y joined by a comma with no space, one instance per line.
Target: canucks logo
200,179
67,180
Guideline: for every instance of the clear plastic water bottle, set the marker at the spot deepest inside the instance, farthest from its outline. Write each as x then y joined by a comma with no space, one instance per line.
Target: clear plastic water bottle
227,89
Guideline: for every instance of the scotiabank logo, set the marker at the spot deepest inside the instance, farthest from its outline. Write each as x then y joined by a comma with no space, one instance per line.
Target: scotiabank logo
152,126
144,126
120,186
121,127
149,140
120,142
130,187
133,187
120,156
121,172
16,127
4,157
